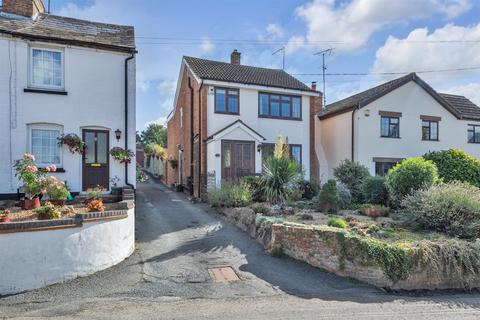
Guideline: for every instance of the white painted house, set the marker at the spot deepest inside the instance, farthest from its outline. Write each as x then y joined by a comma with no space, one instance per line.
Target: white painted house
236,112
61,76
402,118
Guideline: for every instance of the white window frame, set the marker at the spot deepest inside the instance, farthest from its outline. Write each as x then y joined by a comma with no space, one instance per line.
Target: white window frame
45,126
30,68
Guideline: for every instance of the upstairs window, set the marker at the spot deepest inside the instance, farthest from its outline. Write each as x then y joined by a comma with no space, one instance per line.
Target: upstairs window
46,68
390,127
279,106
227,101
430,130
473,133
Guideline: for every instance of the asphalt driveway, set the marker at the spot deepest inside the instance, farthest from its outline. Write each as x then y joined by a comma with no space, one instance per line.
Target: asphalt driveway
167,277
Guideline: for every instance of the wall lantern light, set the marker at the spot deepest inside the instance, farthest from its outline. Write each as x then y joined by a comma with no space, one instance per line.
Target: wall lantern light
118,134
259,147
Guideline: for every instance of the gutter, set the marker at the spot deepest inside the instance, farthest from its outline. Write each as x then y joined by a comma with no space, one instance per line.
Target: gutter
191,128
126,117
200,139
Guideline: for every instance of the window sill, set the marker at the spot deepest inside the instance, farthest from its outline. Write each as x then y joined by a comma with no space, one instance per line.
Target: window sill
390,137
228,113
434,140
280,118
45,91
59,170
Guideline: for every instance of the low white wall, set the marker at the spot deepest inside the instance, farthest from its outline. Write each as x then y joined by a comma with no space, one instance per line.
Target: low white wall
31,260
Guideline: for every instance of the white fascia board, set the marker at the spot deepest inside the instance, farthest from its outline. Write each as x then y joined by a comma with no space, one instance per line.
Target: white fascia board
260,88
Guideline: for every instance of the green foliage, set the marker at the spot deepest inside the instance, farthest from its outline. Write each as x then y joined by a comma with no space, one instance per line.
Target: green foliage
141,176
279,179
374,190
337,223
49,210
56,189
453,208
255,185
231,195
155,133
408,176
309,189
156,150
329,194
454,164
277,252
352,174
372,228
395,260
344,196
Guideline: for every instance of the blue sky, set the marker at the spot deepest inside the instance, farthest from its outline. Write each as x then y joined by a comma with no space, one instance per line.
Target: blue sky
368,36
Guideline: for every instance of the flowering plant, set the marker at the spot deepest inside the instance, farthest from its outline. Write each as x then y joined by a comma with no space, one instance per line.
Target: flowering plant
48,211
73,141
56,189
122,155
28,172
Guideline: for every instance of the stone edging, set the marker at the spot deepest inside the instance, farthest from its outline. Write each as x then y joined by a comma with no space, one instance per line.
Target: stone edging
80,218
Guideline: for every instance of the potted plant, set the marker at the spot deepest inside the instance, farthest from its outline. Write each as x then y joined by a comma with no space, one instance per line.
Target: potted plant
4,218
94,194
73,142
48,211
28,172
57,191
122,155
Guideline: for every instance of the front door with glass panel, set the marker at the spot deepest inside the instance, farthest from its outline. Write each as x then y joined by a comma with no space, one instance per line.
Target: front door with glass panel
95,159
238,159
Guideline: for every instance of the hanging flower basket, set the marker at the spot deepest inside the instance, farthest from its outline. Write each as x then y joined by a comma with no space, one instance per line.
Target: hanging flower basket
73,142
122,155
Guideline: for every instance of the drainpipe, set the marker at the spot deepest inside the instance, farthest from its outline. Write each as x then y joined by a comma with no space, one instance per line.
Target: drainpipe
200,139
126,117
191,130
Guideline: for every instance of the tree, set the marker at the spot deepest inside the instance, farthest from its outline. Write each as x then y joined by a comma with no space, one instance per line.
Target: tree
155,133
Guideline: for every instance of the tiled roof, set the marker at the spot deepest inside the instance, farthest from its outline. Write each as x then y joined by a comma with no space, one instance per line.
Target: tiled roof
465,107
459,106
222,71
68,30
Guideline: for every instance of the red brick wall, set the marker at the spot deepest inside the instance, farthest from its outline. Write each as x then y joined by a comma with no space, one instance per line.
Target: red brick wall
181,136
315,107
26,8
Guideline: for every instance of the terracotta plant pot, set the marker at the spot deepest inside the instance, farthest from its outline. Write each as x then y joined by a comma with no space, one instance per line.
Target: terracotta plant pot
43,216
59,203
30,204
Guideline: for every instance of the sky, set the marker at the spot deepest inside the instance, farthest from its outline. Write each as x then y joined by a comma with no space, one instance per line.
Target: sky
368,37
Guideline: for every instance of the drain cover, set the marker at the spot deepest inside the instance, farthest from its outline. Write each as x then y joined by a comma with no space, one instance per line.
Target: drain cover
223,274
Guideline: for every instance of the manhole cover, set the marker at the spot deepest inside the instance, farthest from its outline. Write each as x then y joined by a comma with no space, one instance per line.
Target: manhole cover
223,274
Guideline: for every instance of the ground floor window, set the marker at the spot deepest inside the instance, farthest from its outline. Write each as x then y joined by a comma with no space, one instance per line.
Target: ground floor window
295,152
44,145
381,168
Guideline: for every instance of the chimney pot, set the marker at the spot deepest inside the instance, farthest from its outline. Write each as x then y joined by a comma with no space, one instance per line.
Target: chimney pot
27,8
314,85
235,57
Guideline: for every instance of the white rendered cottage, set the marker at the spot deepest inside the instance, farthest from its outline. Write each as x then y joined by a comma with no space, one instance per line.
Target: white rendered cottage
62,76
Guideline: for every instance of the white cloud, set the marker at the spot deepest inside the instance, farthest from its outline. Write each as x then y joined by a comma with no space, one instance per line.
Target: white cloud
160,120
207,46
274,30
415,54
471,91
353,23
167,86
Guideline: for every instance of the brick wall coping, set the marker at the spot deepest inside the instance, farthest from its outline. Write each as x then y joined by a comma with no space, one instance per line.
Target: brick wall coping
76,222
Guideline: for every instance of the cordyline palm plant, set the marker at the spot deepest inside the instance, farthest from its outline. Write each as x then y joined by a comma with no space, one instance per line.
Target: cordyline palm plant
280,175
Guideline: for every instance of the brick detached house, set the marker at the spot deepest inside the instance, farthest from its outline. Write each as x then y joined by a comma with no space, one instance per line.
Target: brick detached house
61,76
227,117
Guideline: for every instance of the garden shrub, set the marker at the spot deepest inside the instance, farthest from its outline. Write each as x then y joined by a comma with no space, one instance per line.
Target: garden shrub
352,174
231,195
255,185
337,223
48,211
453,208
279,179
344,196
374,190
454,164
95,205
409,175
327,199
309,188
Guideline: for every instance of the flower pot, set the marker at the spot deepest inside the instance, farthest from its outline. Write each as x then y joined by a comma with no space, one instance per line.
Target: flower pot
30,204
43,216
59,203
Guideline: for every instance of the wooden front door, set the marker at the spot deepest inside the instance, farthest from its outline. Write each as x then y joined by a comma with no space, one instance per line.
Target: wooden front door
238,159
95,163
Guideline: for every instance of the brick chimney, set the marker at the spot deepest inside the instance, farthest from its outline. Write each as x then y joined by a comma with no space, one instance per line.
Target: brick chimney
315,108
235,57
27,8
